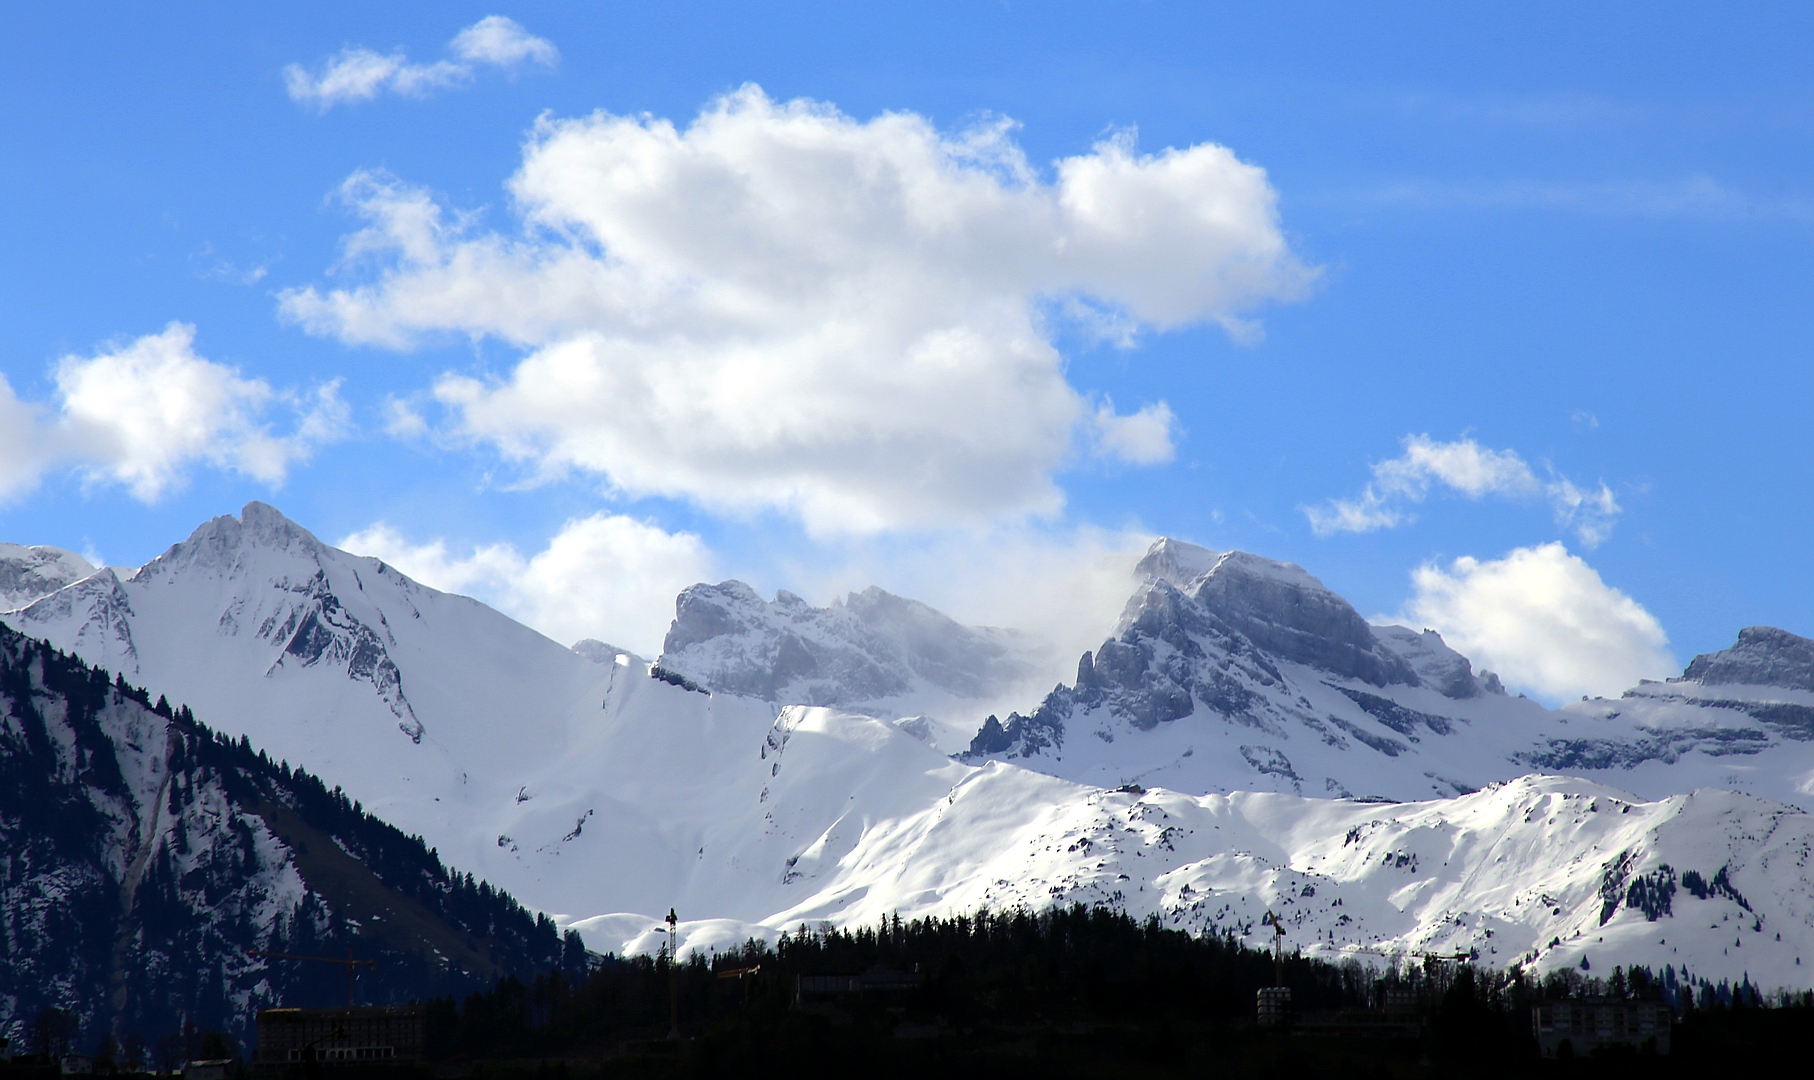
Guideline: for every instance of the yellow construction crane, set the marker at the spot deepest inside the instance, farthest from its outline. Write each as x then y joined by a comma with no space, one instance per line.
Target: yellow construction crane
743,975
352,965
673,922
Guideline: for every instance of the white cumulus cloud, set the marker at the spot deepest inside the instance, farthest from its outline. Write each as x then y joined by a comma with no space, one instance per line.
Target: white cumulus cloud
359,74
143,412
607,576
1543,620
781,307
1471,470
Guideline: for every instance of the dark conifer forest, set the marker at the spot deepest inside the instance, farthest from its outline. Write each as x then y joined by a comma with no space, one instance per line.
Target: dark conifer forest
1070,992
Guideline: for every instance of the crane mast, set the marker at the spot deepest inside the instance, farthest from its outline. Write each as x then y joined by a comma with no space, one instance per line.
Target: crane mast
352,965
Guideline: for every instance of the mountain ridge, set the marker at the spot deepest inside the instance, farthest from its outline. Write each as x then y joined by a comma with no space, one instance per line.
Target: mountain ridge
550,769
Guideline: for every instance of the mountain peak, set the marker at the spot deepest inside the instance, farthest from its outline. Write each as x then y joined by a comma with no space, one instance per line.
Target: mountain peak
866,647
1763,656
222,542
1283,609
263,525
28,573
1176,561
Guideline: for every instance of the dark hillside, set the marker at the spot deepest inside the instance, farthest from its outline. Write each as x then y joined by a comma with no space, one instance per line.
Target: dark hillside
142,855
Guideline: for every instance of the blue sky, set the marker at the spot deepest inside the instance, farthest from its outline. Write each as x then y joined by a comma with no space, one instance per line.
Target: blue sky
1536,277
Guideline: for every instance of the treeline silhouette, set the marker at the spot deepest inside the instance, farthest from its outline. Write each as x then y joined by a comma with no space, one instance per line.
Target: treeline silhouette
1067,992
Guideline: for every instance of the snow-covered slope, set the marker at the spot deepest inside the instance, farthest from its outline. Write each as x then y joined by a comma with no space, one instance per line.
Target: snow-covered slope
832,816
431,709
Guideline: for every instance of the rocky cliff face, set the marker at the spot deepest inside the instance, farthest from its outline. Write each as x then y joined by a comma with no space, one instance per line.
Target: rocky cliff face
27,573
1240,644
1437,666
1750,708
869,648
1763,656
1290,615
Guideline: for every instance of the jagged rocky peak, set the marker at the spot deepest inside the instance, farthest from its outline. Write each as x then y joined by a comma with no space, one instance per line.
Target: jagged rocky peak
866,647
726,638
1763,656
1438,666
1176,561
1288,613
221,543
28,573
259,576
704,612
1219,633
97,613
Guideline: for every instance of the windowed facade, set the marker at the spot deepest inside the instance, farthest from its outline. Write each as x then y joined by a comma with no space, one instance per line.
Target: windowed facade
366,1035
1595,1022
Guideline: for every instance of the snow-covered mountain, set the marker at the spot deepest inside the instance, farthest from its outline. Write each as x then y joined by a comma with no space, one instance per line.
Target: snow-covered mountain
782,762
27,573
871,651
1742,718
432,709
143,856
1231,672
460,725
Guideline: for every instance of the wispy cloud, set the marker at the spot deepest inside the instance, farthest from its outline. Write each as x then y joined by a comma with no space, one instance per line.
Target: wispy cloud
1468,469
1692,196
359,74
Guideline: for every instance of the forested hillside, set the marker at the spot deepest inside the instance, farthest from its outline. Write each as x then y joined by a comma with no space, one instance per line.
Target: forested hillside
142,855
